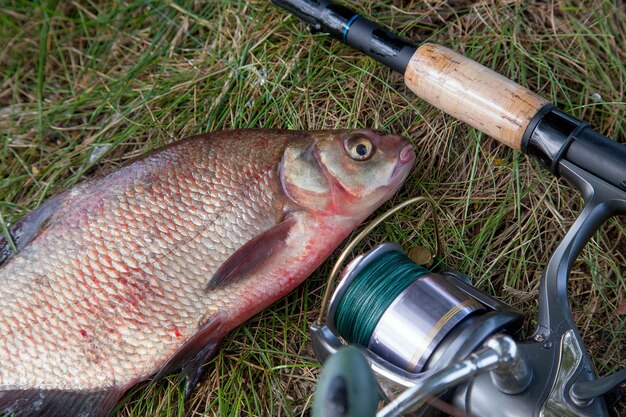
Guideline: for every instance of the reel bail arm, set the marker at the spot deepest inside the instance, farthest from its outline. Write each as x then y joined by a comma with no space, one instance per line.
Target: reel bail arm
499,355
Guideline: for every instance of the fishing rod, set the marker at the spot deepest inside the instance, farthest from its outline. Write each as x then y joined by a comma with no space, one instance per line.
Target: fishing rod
431,354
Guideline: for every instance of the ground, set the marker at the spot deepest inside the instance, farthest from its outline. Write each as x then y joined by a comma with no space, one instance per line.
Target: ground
85,86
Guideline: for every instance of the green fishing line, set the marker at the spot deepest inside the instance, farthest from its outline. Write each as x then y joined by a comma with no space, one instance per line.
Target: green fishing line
371,292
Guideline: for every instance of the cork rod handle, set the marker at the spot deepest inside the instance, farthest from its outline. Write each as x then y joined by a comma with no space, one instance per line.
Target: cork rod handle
472,93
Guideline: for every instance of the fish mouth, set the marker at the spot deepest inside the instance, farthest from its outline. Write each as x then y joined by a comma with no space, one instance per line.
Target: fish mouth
406,158
407,154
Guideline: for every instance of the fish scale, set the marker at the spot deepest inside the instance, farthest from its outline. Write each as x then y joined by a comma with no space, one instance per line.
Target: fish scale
116,297
144,270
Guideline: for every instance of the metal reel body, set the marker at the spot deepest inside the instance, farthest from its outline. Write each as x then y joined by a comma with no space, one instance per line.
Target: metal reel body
563,380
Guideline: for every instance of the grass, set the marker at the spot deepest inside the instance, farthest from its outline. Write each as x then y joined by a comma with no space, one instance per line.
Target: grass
87,85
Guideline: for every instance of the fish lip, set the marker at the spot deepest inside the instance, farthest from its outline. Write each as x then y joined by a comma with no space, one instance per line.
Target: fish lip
404,165
399,174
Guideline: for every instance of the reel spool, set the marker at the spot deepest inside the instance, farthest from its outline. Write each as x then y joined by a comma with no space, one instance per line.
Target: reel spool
397,309
406,318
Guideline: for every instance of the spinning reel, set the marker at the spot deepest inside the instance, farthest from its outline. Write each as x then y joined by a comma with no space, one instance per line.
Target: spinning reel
426,334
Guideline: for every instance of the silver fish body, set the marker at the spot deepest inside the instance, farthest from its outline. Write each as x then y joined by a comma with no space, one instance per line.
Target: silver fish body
145,270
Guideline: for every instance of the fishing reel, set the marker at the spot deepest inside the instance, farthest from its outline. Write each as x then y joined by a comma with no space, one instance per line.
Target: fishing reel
435,342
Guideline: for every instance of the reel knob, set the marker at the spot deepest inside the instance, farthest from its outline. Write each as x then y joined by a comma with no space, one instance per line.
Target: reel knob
346,387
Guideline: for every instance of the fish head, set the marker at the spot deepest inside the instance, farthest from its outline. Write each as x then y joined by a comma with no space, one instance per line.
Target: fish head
347,173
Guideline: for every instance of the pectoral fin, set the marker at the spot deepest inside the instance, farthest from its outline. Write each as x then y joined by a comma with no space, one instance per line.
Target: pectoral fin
251,255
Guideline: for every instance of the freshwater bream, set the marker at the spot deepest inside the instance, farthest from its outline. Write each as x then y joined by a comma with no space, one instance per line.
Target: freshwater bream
145,270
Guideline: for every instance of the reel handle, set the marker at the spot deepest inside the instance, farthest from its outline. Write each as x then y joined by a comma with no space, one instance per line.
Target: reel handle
346,387
499,355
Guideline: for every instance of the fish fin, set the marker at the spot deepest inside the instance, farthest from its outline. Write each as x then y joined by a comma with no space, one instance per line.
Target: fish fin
26,228
58,403
251,255
193,371
190,357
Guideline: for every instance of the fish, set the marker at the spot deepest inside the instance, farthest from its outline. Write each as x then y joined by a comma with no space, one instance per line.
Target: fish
142,272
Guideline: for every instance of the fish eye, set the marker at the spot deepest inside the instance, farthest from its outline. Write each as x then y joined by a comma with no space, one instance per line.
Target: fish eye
358,148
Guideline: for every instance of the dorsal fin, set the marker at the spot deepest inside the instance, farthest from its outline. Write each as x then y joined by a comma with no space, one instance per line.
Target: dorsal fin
26,228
